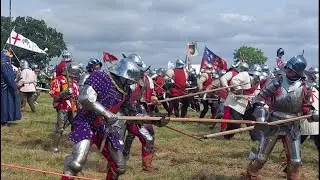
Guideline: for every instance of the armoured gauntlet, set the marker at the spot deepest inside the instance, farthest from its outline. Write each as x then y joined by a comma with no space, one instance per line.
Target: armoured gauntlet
314,117
261,111
110,117
163,121
66,93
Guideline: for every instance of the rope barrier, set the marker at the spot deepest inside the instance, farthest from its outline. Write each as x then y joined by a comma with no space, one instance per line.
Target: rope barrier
43,171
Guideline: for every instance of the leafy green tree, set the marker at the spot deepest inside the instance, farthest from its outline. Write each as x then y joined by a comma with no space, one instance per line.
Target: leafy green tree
250,54
38,32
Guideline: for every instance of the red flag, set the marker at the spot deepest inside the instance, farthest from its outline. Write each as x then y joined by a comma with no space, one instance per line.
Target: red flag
107,57
279,62
210,58
220,64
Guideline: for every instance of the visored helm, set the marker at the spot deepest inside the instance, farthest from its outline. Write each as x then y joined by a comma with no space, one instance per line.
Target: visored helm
297,64
66,56
180,63
92,64
72,70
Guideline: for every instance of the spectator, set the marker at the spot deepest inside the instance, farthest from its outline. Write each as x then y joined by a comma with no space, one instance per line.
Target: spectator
10,106
27,85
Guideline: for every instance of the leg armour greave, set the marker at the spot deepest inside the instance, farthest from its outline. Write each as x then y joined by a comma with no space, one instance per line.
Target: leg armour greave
266,146
62,123
73,163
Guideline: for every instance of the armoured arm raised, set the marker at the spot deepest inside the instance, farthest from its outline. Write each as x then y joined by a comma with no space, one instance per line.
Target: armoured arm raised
88,100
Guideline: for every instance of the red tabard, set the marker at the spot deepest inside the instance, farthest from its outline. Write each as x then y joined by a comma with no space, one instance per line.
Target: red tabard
251,90
159,83
148,92
179,86
60,84
208,81
263,85
224,93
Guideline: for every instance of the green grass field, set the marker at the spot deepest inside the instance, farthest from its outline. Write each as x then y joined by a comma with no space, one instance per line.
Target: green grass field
27,143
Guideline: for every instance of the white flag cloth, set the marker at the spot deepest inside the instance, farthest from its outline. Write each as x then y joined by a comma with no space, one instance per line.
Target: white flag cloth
170,65
23,42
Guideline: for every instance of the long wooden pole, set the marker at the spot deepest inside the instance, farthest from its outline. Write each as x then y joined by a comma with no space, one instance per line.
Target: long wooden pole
146,118
197,93
252,127
186,134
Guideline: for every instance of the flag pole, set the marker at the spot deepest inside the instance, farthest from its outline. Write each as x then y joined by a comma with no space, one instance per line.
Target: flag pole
10,29
187,53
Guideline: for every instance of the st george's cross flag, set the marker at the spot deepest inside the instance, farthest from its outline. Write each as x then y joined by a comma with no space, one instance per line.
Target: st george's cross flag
23,42
210,58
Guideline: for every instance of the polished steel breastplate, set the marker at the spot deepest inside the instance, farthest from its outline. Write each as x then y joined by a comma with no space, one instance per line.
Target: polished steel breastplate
290,98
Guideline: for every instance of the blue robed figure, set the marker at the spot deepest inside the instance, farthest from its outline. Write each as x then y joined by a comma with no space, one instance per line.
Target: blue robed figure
10,102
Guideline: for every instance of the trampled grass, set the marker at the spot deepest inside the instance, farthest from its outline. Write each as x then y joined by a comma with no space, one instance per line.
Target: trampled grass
28,142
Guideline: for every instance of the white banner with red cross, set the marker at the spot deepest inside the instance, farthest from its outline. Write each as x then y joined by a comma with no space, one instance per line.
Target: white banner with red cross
23,42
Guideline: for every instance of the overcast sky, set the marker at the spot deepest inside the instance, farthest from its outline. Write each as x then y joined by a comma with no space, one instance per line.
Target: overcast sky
158,29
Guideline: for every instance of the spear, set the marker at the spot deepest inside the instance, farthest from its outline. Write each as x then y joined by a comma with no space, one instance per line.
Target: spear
147,118
197,93
209,136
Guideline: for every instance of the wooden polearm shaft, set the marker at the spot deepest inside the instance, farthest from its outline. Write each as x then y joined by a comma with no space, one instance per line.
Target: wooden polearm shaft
252,127
147,118
197,93
186,134
209,136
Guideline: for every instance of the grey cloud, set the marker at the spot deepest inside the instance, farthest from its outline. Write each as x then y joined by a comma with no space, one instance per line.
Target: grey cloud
157,30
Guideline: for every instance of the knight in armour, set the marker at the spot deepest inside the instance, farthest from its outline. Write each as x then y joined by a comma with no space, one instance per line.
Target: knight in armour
93,65
285,96
142,95
176,80
64,90
104,96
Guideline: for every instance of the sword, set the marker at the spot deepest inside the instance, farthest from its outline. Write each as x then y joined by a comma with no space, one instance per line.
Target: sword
43,89
104,139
